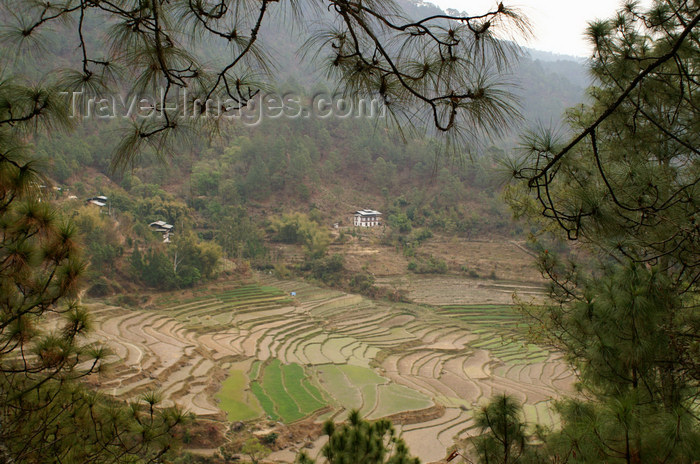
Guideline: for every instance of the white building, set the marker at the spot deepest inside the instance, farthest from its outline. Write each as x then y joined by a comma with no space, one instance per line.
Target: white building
161,226
367,218
164,228
100,201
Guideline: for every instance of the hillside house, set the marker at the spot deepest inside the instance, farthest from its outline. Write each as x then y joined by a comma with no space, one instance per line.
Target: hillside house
164,228
100,201
161,226
367,218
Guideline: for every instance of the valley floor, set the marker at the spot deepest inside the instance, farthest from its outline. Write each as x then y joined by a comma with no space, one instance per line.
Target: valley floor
253,352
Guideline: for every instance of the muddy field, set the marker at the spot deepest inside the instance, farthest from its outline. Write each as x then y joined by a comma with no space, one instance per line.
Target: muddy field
498,259
448,290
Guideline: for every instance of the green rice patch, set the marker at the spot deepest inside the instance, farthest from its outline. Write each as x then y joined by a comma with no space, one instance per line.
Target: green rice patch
254,369
244,298
235,400
306,396
396,398
538,359
357,387
332,347
266,403
337,384
369,398
315,393
291,394
274,387
483,314
361,376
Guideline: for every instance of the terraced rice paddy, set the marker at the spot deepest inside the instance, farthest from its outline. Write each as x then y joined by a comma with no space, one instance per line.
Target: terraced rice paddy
484,315
236,399
503,321
286,392
323,352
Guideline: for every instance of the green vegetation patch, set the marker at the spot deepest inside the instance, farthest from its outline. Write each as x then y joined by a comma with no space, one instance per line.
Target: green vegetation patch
357,387
394,398
497,325
339,386
361,376
483,314
512,352
264,400
246,295
290,394
254,370
274,386
305,394
332,349
235,400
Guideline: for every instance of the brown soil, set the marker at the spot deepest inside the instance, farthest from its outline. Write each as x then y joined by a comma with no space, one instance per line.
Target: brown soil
304,431
365,253
294,435
502,257
451,289
205,435
418,416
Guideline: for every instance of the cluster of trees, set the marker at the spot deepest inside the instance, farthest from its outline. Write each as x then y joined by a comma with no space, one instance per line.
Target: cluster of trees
290,160
427,265
241,237
298,228
226,178
360,441
125,233
182,263
626,187
47,414
100,241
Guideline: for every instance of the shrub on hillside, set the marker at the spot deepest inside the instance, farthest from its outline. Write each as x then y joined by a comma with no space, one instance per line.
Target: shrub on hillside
363,283
328,269
298,228
99,288
428,265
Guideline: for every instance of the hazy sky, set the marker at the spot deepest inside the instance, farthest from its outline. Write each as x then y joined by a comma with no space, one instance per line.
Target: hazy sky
559,25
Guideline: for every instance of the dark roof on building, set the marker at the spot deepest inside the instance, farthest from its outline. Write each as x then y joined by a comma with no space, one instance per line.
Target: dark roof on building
368,212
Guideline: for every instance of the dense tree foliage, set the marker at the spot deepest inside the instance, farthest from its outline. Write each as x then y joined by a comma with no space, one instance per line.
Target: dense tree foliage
300,229
447,68
626,187
46,414
630,176
100,240
502,436
180,264
254,450
620,337
359,441
409,180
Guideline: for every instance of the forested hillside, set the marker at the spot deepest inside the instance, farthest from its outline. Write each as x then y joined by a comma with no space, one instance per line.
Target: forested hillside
223,192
